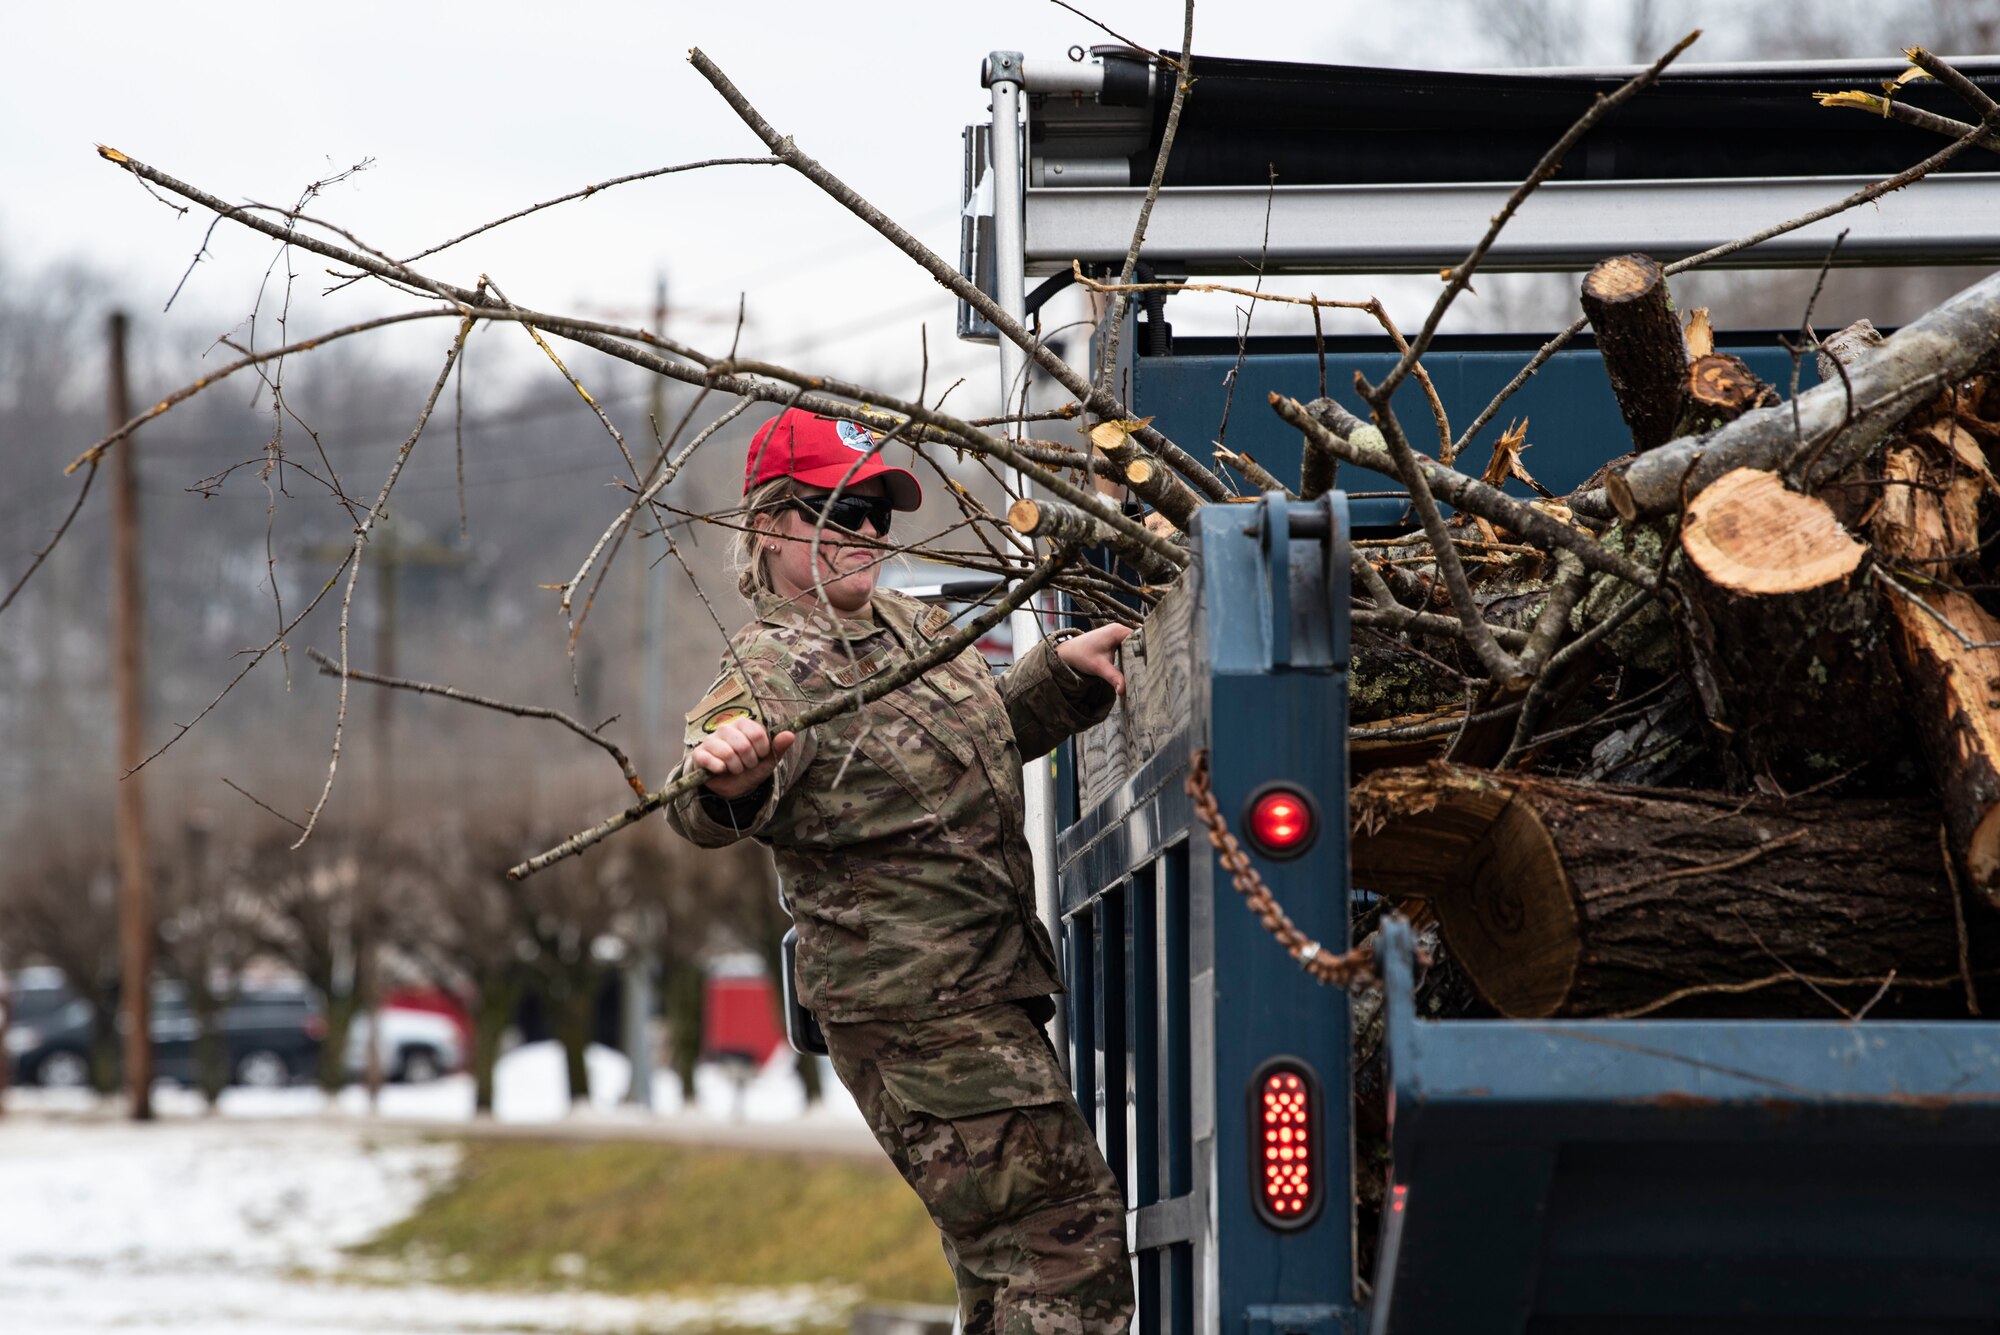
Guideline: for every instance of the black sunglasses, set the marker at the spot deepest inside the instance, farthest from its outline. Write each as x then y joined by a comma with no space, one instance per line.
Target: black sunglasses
847,513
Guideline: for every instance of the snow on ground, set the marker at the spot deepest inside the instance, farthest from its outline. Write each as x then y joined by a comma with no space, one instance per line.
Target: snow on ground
530,1087
234,1225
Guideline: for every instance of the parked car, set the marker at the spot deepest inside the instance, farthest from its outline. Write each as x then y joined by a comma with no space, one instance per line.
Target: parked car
271,1037
48,1032
415,1045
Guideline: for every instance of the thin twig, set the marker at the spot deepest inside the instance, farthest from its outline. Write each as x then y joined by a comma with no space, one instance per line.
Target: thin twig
691,778
329,668
186,392
1096,400
1114,319
587,192
267,806
82,493
1460,276
361,533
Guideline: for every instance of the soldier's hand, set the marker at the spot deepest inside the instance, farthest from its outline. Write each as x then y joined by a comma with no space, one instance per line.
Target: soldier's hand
1095,653
740,755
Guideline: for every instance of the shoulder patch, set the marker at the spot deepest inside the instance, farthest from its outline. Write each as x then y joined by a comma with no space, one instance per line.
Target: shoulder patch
933,621
728,699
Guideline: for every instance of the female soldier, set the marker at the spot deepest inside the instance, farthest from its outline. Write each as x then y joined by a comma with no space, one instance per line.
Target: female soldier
899,839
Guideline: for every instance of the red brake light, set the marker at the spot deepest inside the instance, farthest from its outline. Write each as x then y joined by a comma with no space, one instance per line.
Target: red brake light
1285,1159
1282,821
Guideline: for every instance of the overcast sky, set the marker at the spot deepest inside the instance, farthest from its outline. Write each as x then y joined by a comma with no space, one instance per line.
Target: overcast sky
468,112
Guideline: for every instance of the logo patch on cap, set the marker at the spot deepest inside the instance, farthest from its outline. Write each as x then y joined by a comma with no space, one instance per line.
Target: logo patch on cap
855,437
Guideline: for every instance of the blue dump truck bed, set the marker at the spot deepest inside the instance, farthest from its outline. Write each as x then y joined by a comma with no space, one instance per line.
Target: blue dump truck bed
1663,1175
1542,1176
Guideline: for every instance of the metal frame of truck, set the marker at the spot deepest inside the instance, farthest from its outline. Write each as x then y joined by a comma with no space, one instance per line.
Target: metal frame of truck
1556,1176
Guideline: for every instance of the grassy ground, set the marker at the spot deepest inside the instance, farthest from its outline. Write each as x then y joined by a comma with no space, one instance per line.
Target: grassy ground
638,1218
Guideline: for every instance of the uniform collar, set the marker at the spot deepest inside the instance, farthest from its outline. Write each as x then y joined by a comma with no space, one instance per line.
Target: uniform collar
886,610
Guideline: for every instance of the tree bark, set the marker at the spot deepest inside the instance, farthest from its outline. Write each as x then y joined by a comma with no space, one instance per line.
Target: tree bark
684,1004
1055,521
1926,525
572,1008
1645,356
1319,467
490,1017
341,1008
1784,632
1572,899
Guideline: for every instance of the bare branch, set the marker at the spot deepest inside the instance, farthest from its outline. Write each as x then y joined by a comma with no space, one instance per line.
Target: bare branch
1093,398
1460,277
353,563
82,493
1114,321
329,668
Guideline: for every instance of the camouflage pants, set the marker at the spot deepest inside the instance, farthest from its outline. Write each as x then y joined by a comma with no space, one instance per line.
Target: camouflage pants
975,1113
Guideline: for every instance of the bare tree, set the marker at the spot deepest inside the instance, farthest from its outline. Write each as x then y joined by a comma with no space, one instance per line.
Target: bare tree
207,922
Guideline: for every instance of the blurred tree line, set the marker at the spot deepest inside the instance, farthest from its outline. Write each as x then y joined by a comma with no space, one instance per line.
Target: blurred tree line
403,883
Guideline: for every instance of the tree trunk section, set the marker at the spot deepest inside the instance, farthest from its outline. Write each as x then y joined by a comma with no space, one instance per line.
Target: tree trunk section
1645,355
1928,524
1718,390
490,1018
573,1015
1573,899
684,1001
340,1013
1786,637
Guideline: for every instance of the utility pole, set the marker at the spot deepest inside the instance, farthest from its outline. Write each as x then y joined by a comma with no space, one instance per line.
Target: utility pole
642,962
135,890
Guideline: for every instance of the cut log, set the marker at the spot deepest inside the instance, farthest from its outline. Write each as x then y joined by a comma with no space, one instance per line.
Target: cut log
1784,633
1645,355
1059,522
1718,390
1943,347
1573,899
1158,487
1945,644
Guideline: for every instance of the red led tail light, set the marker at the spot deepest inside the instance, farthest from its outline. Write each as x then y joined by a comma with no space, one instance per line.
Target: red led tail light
1281,821
1287,1161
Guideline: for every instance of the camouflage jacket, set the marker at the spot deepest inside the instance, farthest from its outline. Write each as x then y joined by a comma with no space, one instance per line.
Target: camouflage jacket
897,828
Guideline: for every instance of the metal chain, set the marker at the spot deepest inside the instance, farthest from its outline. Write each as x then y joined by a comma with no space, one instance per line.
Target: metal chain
1335,970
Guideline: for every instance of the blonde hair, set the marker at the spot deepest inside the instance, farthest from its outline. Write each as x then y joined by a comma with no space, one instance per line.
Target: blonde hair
746,550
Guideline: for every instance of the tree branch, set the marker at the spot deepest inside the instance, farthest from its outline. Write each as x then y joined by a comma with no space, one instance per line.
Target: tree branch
827,710
329,668
1090,396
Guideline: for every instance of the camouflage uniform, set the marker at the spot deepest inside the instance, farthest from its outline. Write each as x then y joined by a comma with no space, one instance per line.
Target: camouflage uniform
898,834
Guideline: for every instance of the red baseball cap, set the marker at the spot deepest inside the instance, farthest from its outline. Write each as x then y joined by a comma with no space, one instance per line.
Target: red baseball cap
824,452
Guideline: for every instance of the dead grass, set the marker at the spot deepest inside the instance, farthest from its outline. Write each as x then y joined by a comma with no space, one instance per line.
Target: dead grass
646,1218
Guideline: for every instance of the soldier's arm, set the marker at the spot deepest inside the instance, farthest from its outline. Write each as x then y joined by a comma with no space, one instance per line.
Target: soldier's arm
729,723
1048,700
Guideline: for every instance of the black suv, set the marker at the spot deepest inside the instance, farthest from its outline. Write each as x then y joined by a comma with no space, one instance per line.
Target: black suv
271,1037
